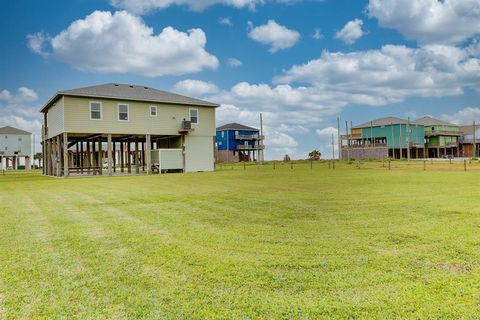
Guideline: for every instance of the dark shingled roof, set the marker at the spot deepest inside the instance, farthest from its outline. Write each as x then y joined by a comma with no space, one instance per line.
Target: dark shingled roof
12,130
429,121
129,92
235,126
383,122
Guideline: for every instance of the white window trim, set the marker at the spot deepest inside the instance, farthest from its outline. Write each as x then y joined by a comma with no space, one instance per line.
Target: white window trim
90,110
190,116
150,111
118,112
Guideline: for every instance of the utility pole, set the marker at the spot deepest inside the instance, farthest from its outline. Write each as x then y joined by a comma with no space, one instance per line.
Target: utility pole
261,135
333,147
400,141
408,139
393,141
474,141
348,141
339,140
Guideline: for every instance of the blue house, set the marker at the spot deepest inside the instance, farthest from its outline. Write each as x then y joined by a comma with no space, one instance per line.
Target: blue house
237,142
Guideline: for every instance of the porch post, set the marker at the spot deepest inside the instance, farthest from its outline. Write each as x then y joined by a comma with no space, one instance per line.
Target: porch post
109,153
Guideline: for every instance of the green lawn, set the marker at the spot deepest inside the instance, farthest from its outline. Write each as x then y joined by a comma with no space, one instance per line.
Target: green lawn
244,244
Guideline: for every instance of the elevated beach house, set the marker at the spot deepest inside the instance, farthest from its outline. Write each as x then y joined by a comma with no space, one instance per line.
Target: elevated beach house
237,142
118,128
15,144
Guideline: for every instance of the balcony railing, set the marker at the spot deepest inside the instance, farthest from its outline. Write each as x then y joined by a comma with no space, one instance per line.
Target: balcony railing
434,133
377,145
437,145
249,137
249,147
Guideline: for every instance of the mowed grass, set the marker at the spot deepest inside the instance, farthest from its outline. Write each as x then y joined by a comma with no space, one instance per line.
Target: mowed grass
257,243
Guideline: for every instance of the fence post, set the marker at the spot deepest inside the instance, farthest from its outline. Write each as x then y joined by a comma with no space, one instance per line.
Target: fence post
291,164
388,164
329,164
311,164
274,165
424,165
333,164
244,166
232,165
450,160
465,165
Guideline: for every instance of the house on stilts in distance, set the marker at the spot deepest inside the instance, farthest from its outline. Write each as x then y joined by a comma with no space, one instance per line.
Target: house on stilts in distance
236,142
397,138
118,128
15,145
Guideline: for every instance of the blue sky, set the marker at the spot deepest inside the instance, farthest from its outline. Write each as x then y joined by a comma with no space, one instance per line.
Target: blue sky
301,63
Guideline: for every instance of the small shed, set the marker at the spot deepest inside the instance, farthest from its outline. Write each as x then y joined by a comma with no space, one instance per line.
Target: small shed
164,160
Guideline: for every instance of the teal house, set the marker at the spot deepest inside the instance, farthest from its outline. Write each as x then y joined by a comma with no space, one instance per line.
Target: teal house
385,137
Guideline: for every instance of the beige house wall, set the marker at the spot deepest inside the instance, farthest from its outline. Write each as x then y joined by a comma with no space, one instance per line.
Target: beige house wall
55,117
167,122
199,154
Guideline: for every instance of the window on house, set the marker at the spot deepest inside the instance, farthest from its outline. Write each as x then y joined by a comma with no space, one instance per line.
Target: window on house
95,111
153,111
20,139
122,112
223,134
194,116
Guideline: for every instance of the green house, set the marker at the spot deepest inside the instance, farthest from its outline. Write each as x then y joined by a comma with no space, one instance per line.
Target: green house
442,138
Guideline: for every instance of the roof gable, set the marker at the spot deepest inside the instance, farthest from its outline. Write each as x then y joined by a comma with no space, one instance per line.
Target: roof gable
129,92
12,130
383,122
429,121
236,126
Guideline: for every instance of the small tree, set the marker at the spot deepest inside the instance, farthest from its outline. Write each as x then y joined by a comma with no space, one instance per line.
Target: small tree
286,158
314,155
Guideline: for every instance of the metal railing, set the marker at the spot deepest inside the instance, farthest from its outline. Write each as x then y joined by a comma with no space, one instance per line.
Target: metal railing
249,137
249,147
442,133
352,146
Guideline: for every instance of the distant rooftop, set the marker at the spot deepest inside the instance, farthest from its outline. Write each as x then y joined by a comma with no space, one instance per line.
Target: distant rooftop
469,128
235,126
12,130
429,121
382,122
129,92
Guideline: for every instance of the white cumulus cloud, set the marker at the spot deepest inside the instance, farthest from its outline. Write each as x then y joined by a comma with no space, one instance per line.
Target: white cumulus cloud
122,43
390,74
195,88
20,110
274,35
145,6
351,32
464,116
317,35
429,21
234,62
225,21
